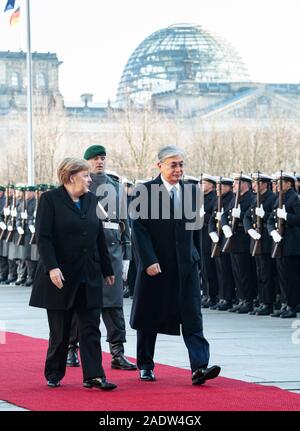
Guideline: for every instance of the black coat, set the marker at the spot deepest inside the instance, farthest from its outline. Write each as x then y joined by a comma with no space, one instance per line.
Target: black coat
225,201
291,237
161,303
72,240
240,242
210,200
267,201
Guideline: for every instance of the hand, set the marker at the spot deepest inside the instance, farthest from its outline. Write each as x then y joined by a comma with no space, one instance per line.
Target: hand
236,212
14,212
57,277
260,212
125,267
2,225
214,237
202,212
153,269
227,231
254,234
20,230
110,280
24,215
31,228
219,215
10,228
6,211
275,235
281,212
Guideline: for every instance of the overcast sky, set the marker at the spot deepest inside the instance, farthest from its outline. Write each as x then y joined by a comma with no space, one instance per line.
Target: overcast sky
94,38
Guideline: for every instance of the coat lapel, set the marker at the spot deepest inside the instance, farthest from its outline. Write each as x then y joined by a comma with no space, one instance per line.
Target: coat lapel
66,199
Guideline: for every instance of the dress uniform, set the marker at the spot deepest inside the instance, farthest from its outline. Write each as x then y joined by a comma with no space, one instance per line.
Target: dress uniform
265,265
288,264
3,248
223,262
11,236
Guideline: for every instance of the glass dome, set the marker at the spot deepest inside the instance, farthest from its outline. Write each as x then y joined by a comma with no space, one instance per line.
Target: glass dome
181,52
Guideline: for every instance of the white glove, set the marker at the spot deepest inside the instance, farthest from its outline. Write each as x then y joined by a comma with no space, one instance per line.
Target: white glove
14,212
10,228
6,211
254,234
20,230
31,228
24,215
2,225
260,212
227,231
125,265
281,213
236,212
275,235
214,237
219,215
202,212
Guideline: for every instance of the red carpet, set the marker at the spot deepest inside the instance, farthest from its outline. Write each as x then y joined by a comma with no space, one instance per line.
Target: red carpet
22,383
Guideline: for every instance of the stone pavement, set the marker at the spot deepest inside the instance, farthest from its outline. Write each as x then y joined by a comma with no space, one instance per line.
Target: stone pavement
256,349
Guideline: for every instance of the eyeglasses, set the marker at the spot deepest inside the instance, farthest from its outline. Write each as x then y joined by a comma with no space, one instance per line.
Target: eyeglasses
174,165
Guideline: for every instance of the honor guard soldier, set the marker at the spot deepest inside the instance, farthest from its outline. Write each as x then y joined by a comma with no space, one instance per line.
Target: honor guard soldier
255,224
222,260
237,242
284,228
208,269
3,248
9,238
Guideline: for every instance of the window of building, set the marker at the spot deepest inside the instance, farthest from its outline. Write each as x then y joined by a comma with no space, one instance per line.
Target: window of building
15,79
40,80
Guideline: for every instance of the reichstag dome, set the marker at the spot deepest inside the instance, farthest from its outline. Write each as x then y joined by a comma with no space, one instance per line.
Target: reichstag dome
178,53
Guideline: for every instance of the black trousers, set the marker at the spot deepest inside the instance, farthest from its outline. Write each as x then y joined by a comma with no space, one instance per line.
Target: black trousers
289,279
3,267
225,277
244,276
210,280
114,321
89,339
197,345
265,271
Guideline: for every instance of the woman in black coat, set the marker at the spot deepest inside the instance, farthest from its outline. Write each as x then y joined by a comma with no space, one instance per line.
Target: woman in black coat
73,258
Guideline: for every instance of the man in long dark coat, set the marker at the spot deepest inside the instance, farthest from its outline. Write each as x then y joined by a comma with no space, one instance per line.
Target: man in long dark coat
167,291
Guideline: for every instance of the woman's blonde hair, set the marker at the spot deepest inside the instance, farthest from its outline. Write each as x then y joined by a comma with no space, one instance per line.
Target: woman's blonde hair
70,166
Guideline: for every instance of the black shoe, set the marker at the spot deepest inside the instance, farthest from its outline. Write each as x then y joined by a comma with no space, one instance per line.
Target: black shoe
288,313
225,305
205,301
72,359
297,308
278,313
255,310
20,281
121,363
265,310
99,383
235,307
245,308
3,279
53,383
215,306
147,375
11,280
202,374
29,282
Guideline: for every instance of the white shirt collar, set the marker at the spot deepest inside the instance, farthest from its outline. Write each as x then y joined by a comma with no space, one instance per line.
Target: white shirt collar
169,186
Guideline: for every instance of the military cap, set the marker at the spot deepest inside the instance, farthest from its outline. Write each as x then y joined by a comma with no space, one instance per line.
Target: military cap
259,176
42,187
2,188
297,176
209,178
10,186
93,151
243,177
286,176
20,187
190,179
51,186
30,188
226,181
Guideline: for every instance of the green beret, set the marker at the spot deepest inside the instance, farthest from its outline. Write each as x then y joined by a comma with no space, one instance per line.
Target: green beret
30,188
51,186
21,188
10,186
42,187
2,188
93,151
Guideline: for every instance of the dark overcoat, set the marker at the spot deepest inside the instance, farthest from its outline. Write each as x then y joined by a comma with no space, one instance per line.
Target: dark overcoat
72,240
163,302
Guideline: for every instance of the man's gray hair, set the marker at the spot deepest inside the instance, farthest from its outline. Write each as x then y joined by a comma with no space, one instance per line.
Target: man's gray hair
169,151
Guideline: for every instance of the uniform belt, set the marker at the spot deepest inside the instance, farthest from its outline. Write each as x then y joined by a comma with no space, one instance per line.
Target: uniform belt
111,225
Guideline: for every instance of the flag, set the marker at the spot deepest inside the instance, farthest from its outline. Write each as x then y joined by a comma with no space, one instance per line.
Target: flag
10,5
15,18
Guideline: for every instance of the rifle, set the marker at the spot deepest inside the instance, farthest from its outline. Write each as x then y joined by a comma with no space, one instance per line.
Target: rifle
6,212
21,239
37,197
257,245
227,245
215,248
277,246
13,215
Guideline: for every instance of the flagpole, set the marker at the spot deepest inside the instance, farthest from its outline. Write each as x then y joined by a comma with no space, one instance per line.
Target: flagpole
30,149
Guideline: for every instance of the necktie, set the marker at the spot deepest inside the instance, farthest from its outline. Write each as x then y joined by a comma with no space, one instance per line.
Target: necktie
174,197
